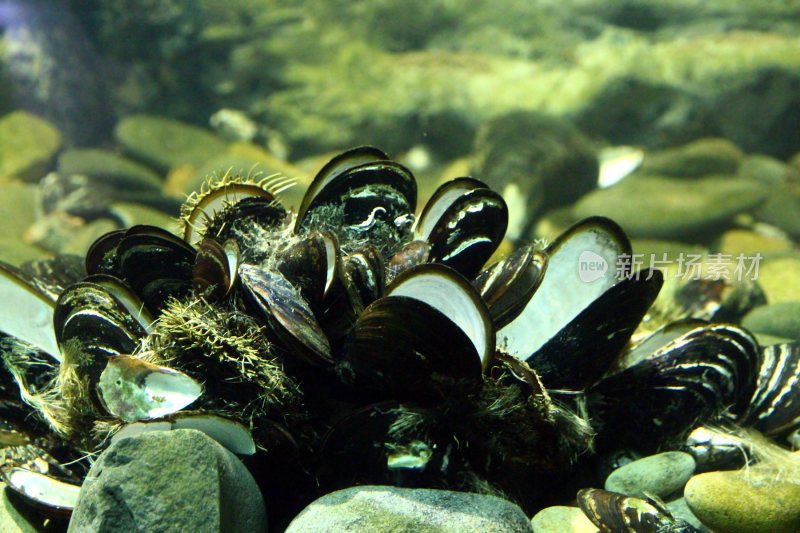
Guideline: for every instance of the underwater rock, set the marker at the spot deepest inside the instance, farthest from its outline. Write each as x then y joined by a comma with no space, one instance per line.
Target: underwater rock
680,510
166,143
736,241
131,214
778,319
662,474
745,502
15,251
27,146
383,508
778,277
781,209
542,160
661,208
18,205
631,110
699,158
168,480
53,69
109,168
84,236
562,519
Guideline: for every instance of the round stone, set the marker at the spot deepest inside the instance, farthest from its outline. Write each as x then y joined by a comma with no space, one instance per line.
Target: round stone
662,475
562,519
745,502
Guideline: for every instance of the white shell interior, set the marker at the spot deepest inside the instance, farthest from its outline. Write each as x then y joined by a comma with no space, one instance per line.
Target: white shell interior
44,489
27,314
232,435
440,204
134,390
450,298
168,391
564,291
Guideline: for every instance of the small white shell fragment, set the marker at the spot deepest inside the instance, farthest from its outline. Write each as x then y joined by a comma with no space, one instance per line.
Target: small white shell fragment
616,163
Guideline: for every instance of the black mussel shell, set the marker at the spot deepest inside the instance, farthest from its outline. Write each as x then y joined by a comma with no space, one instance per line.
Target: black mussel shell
280,305
215,268
156,264
328,183
351,440
364,269
775,406
377,198
101,256
51,275
125,295
691,378
311,265
583,350
509,284
719,300
215,213
93,325
582,264
616,513
464,222
413,254
342,306
431,329
27,313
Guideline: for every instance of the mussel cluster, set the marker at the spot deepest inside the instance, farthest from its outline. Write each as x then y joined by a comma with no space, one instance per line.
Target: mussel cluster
353,342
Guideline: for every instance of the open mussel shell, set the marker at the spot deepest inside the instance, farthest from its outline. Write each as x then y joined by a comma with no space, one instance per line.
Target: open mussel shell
583,350
582,264
51,275
431,324
311,265
377,197
330,183
92,321
775,406
27,313
686,375
616,513
132,389
215,269
281,306
52,497
234,201
509,284
229,433
156,264
464,222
